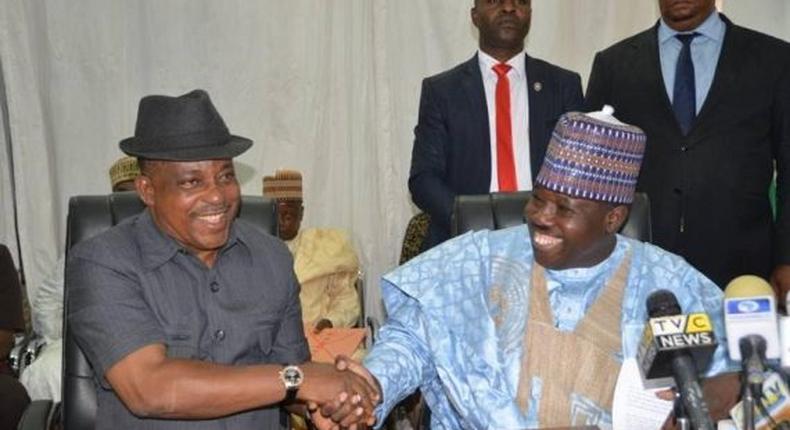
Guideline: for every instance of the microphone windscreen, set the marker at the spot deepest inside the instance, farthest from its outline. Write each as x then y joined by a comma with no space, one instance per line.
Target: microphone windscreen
748,286
662,303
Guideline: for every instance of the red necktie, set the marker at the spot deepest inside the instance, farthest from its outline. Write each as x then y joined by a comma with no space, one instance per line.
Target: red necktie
506,166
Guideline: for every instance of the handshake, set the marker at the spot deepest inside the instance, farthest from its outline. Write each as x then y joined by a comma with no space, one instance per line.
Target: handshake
339,396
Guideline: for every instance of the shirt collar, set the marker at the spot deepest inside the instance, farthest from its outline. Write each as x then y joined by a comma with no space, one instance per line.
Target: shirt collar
584,277
518,63
713,28
157,247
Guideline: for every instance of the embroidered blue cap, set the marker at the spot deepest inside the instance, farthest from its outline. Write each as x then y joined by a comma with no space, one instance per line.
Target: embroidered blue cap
593,156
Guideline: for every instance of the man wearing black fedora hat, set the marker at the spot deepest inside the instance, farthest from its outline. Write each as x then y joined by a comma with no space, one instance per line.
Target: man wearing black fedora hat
190,317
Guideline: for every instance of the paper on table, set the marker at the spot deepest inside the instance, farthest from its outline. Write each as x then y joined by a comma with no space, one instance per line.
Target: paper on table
330,342
633,406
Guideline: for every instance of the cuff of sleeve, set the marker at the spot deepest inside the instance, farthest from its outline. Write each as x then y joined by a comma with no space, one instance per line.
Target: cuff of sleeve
387,400
380,416
119,351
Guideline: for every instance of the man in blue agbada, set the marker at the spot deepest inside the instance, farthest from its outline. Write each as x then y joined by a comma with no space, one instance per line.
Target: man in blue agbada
528,326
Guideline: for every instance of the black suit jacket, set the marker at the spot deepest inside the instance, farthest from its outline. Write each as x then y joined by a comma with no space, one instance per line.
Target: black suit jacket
709,189
452,153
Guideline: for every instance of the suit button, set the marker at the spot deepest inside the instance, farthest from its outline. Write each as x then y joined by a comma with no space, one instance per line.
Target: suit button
677,191
214,287
684,148
219,335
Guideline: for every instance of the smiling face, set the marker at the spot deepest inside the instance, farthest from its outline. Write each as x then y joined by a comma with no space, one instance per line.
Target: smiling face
685,15
503,25
568,232
194,202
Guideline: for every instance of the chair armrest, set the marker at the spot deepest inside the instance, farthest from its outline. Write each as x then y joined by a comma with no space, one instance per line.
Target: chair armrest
37,416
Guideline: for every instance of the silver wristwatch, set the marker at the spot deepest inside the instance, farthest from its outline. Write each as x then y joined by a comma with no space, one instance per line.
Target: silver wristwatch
292,378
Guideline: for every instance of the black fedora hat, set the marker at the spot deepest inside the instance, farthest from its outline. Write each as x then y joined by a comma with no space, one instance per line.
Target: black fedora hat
183,128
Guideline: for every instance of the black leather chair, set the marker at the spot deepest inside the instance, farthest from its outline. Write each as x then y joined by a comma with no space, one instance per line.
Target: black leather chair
501,210
89,216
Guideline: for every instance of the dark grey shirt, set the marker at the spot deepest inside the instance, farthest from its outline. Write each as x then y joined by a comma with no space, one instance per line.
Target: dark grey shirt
133,286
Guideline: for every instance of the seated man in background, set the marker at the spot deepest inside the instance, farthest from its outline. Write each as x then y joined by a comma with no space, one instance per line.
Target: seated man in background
13,397
189,316
528,326
42,378
324,259
123,173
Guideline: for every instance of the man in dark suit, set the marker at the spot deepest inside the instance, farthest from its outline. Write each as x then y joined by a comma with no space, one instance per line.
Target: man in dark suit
478,131
714,101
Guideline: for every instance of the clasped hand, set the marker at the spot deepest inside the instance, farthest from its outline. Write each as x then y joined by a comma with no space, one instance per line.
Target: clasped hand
345,396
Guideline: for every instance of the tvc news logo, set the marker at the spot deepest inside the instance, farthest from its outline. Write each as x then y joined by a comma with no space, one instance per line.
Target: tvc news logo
681,331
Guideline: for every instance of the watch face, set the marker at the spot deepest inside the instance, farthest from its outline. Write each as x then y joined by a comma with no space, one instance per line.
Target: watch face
292,376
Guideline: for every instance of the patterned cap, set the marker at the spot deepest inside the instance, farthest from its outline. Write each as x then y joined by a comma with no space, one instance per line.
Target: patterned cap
125,169
593,156
284,185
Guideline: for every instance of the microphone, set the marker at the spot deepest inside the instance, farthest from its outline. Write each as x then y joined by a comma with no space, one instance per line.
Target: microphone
668,332
750,310
753,352
784,335
776,399
669,342
752,335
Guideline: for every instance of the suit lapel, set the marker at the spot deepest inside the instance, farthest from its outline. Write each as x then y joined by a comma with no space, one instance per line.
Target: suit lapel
538,101
536,80
472,84
652,70
725,78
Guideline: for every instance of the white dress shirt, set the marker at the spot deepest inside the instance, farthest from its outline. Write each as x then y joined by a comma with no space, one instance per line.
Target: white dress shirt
519,115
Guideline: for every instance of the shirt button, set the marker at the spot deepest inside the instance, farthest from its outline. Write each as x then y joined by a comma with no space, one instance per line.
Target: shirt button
684,148
214,286
219,335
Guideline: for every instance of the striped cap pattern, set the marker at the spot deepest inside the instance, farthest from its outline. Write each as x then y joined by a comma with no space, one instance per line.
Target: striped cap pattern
594,157
284,185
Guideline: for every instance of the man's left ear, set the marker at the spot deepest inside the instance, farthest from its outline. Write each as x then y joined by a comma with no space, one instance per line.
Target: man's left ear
615,218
